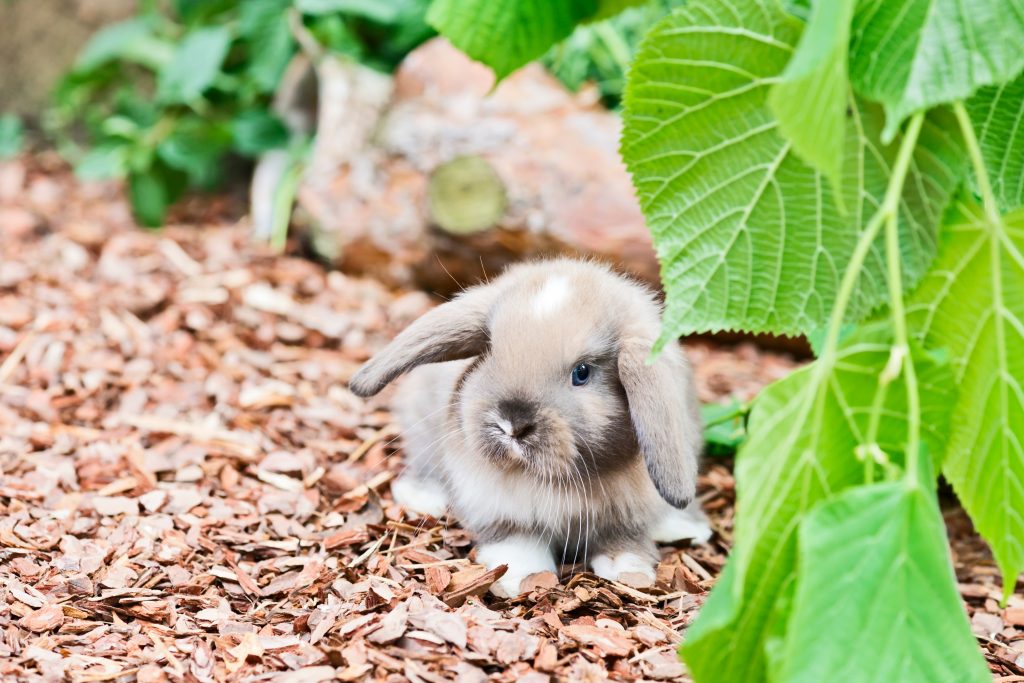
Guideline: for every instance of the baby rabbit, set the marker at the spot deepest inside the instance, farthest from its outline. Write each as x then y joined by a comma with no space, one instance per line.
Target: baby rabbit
531,410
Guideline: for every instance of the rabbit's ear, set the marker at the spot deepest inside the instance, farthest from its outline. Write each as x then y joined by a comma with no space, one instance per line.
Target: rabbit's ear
453,330
665,415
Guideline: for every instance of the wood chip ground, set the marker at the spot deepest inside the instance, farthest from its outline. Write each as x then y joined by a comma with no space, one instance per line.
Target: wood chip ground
188,492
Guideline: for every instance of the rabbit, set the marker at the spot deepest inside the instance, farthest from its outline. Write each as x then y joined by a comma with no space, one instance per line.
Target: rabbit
532,412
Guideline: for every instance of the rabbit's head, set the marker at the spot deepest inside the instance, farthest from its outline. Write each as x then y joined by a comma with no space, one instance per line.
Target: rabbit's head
559,385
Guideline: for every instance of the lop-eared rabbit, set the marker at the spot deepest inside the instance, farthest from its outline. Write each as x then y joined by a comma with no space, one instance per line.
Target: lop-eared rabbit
532,412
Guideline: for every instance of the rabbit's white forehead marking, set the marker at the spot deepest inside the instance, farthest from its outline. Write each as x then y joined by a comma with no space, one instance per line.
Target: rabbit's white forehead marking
552,296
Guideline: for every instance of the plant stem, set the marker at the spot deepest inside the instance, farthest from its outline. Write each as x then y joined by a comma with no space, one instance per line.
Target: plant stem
902,351
617,47
988,199
889,207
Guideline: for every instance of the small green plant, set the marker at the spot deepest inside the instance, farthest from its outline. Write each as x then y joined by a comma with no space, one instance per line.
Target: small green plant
852,171
600,52
168,98
12,136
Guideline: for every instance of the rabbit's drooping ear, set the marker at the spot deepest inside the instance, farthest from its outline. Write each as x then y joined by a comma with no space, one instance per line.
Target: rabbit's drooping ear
665,416
456,329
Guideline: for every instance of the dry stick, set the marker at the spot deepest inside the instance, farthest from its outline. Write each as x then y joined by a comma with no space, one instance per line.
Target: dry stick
381,434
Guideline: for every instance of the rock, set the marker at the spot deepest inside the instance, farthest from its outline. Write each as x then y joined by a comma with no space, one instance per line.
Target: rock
526,170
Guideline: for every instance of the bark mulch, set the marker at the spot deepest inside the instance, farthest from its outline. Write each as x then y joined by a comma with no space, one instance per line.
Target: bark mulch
188,491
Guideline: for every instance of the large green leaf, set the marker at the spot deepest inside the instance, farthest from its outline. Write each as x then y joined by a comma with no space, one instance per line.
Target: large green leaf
997,114
810,100
801,449
915,54
972,304
196,63
748,234
876,596
506,34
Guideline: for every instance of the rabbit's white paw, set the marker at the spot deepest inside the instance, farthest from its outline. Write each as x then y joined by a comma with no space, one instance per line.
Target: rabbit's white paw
628,568
523,555
675,525
424,496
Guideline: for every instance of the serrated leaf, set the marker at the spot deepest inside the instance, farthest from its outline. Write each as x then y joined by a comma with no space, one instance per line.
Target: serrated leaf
748,235
506,34
916,54
972,304
997,115
800,450
196,63
810,100
876,596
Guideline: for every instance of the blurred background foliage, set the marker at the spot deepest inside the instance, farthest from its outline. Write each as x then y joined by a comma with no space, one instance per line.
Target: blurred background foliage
179,95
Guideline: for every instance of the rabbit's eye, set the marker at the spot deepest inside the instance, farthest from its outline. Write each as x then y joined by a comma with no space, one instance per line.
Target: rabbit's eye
580,375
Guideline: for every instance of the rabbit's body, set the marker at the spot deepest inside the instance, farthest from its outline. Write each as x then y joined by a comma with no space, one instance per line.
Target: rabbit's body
548,435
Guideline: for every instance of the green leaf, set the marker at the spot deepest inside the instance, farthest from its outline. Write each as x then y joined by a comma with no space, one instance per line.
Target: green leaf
195,65
915,54
997,115
609,8
810,100
132,41
264,24
257,130
801,449
373,10
195,12
816,337
152,192
506,34
12,136
972,304
747,233
724,426
876,596
105,161
197,147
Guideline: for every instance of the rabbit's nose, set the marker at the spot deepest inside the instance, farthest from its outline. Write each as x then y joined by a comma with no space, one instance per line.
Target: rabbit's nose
520,418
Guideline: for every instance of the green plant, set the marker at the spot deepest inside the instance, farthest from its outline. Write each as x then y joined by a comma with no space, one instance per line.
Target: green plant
168,98
850,170
12,136
600,52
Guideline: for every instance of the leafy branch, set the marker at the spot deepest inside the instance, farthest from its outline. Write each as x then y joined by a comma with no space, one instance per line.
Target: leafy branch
767,187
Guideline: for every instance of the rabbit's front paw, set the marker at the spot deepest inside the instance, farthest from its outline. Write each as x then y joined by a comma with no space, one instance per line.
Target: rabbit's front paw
522,555
628,568
676,525
423,496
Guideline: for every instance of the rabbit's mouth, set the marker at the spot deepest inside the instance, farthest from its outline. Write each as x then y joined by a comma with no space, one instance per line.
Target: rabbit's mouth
508,444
